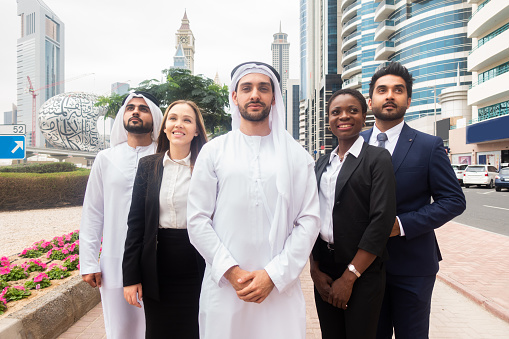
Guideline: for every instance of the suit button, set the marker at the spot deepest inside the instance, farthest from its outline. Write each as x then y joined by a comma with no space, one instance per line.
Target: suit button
338,202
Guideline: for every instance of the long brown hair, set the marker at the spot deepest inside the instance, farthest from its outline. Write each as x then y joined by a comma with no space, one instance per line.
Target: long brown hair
163,144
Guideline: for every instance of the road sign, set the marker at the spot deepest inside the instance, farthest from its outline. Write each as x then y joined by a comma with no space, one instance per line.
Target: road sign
13,129
12,147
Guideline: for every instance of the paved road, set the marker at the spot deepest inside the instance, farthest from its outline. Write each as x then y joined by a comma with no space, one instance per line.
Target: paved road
486,209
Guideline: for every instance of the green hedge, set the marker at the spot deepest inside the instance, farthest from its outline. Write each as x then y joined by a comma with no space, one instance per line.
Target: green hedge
52,167
22,191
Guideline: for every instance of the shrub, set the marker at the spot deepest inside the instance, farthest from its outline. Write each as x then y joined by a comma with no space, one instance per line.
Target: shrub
14,293
51,167
57,272
72,262
34,265
13,273
31,252
21,191
3,306
3,284
39,281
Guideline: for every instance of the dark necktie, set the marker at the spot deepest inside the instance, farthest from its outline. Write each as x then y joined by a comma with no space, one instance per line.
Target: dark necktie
382,138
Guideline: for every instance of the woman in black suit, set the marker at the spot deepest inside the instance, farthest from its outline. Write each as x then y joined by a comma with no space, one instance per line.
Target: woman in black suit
160,265
356,188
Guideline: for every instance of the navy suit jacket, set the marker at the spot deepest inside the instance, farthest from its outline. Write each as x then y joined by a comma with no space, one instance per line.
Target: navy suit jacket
423,172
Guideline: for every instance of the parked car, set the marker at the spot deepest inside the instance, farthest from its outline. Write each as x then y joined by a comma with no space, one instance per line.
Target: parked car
479,175
502,179
459,169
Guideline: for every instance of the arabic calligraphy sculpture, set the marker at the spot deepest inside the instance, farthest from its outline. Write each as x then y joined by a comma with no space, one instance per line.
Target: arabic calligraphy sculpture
69,120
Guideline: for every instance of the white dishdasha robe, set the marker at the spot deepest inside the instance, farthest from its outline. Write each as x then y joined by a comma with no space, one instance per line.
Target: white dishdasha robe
233,200
105,211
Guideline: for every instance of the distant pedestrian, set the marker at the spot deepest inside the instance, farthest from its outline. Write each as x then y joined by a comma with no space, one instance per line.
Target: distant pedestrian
253,215
423,172
106,207
357,193
160,265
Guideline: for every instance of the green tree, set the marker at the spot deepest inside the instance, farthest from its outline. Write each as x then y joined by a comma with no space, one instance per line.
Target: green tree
112,104
180,84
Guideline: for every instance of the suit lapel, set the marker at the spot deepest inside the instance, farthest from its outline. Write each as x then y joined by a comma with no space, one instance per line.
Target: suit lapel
405,140
320,168
347,169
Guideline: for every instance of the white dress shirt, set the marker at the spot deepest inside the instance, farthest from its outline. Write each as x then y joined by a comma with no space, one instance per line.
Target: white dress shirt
392,136
390,145
173,193
327,191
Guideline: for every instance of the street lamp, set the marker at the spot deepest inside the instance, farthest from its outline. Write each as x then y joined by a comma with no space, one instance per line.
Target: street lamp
434,108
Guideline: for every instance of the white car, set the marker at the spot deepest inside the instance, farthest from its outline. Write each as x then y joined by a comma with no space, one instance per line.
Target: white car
459,169
479,175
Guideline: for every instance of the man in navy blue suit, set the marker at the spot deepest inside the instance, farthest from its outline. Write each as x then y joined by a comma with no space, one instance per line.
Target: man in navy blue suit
423,172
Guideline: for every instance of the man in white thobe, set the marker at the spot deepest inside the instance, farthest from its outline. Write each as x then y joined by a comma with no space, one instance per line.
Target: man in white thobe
106,207
253,215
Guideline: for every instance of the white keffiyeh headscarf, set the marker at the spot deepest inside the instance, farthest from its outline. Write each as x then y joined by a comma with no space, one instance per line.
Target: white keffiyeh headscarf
118,132
288,152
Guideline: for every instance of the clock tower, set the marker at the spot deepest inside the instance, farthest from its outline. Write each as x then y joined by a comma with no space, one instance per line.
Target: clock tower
185,38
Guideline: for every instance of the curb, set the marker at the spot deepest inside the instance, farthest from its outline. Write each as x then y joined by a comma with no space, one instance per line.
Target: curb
478,298
52,314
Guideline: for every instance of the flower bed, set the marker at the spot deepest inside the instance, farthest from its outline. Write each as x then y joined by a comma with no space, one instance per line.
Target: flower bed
49,261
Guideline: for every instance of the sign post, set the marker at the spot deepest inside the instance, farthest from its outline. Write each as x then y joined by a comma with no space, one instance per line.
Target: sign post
12,142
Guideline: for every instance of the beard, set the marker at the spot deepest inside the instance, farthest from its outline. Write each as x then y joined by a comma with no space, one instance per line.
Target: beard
254,116
140,128
397,114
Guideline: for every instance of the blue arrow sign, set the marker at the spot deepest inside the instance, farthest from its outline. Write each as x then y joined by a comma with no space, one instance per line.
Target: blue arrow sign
12,147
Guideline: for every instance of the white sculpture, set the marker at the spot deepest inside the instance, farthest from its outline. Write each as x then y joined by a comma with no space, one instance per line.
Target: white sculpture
69,120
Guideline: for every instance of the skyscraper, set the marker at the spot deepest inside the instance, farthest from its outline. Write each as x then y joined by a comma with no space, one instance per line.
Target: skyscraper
185,39
40,62
483,137
281,58
427,37
319,56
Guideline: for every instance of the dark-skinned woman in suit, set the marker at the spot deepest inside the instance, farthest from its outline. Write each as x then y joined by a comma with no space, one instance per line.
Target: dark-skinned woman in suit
356,189
160,265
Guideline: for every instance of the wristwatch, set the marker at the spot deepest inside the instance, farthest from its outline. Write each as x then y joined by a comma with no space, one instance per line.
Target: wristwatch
352,269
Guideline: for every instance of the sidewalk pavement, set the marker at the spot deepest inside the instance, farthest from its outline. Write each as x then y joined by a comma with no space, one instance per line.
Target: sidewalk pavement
470,299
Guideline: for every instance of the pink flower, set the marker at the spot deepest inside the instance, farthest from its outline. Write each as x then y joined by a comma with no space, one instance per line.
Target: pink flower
4,261
40,277
38,286
5,270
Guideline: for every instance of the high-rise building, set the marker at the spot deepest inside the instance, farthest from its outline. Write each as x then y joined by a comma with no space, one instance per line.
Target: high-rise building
482,138
10,118
319,58
281,58
292,108
120,88
40,64
185,39
427,37
343,42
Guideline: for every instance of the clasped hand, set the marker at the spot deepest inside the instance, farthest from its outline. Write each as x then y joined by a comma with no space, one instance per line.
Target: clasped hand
337,292
250,286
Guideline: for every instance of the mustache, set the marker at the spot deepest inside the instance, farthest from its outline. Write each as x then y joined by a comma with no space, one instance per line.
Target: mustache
390,103
131,118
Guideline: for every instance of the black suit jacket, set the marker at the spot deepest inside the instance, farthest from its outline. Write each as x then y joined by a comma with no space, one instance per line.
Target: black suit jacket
364,205
423,172
140,254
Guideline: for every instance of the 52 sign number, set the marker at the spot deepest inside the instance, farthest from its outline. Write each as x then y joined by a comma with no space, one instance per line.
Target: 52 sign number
18,129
